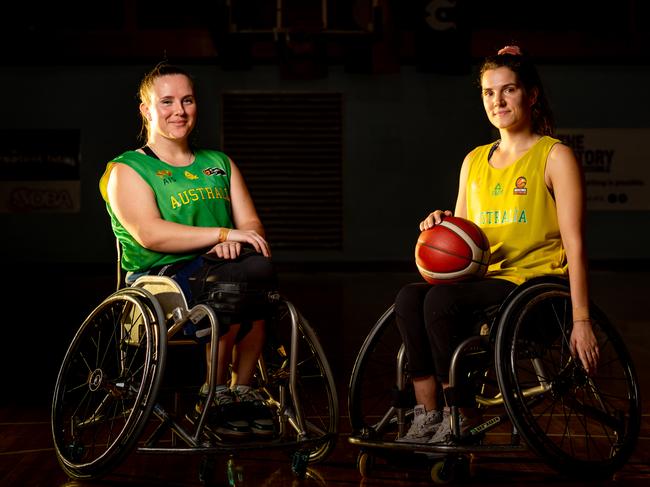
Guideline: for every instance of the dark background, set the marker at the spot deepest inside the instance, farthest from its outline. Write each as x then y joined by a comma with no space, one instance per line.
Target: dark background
411,111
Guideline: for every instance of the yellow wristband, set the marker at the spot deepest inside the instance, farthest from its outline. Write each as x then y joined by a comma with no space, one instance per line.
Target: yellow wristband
223,234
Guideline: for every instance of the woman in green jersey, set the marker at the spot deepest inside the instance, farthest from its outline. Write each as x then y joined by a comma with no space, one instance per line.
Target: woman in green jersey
526,192
187,213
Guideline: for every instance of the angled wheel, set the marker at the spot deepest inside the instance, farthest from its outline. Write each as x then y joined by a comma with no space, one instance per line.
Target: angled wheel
452,469
580,424
377,383
365,464
314,399
107,383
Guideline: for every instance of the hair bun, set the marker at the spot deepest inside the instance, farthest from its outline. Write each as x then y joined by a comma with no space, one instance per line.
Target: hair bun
514,50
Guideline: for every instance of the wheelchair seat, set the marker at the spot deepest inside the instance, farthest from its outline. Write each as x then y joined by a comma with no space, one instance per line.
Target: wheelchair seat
167,291
225,298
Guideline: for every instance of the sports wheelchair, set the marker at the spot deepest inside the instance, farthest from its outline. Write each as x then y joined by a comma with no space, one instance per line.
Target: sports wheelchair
108,398
519,372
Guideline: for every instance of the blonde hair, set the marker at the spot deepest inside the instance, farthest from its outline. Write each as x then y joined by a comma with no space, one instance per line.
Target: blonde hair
146,89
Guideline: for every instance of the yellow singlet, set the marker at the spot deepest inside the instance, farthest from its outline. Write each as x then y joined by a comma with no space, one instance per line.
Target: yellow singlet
518,214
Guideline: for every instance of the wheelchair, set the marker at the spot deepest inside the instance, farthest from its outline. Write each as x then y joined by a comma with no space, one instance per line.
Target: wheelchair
109,394
520,374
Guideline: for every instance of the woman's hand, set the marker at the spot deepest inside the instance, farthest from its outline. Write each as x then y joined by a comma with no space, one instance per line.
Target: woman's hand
231,248
584,345
434,219
227,250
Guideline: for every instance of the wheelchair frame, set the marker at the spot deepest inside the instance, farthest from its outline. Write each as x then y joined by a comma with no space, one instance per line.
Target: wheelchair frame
581,425
107,390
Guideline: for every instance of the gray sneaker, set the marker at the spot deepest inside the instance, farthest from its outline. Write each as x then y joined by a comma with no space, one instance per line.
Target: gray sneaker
225,413
424,425
443,435
259,415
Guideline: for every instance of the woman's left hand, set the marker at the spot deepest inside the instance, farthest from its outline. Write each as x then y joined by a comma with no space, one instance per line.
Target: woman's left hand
227,250
585,346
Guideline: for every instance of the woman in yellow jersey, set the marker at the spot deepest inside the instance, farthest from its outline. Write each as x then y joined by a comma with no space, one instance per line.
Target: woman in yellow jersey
186,213
526,191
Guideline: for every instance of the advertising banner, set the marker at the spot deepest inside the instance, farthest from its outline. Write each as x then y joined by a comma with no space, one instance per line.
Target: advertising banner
39,171
616,166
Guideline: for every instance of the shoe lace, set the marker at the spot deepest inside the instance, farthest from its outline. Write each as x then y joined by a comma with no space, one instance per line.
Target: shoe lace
250,395
443,434
222,398
419,425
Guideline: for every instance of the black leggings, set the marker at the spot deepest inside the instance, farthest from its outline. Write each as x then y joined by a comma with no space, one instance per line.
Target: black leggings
433,320
249,276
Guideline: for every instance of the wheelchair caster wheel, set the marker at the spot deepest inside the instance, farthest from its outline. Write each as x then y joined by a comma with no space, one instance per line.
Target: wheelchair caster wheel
451,469
75,451
235,473
206,470
365,464
299,462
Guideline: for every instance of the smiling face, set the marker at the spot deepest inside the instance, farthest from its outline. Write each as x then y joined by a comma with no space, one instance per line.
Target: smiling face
506,102
170,107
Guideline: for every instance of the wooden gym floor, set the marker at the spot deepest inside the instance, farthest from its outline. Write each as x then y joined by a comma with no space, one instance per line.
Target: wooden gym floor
341,305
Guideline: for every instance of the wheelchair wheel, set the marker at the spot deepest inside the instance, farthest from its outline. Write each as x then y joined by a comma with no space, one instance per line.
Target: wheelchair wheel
365,464
580,425
371,399
315,399
107,384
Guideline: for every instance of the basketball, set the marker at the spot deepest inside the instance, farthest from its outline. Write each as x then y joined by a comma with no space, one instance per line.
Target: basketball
454,250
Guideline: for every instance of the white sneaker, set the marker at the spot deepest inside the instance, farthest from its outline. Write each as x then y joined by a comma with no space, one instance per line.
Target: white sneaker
424,425
443,435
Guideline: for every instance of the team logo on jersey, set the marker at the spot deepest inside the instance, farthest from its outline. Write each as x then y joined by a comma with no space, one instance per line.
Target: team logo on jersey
498,190
189,175
166,176
520,186
214,171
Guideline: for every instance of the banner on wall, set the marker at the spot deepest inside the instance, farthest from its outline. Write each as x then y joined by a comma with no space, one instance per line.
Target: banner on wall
616,166
39,171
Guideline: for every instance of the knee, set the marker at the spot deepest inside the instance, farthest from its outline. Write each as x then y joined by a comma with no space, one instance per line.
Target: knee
259,269
440,301
408,298
253,331
229,333
258,329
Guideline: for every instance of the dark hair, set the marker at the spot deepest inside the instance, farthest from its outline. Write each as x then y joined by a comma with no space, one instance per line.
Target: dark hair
146,87
522,66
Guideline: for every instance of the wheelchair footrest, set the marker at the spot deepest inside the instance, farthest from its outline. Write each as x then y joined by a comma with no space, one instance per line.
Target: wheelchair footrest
230,446
429,448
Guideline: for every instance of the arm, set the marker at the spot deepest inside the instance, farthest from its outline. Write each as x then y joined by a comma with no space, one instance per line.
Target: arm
564,178
244,213
134,204
461,200
437,216
248,226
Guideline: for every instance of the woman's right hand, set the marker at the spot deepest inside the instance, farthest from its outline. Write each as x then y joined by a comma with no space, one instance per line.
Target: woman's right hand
434,219
247,236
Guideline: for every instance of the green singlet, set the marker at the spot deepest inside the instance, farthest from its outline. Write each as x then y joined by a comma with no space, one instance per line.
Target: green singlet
196,195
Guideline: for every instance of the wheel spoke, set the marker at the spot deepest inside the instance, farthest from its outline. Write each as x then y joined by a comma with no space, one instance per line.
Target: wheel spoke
101,400
583,423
